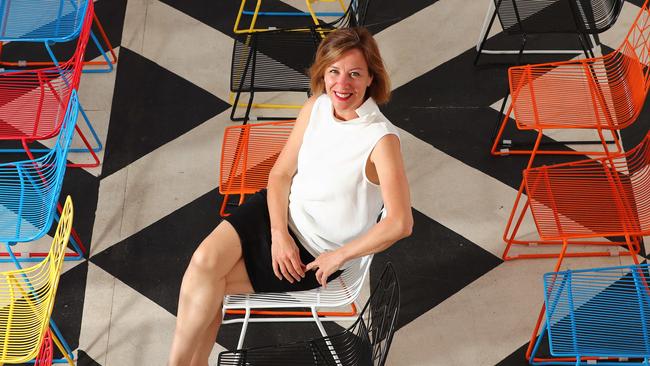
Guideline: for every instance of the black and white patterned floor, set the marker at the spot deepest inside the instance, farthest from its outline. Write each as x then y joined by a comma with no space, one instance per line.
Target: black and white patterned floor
162,114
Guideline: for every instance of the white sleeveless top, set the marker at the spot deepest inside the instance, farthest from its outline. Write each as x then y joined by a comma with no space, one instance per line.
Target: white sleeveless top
331,200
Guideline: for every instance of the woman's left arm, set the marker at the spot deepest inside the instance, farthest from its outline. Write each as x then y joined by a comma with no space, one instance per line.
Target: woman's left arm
398,223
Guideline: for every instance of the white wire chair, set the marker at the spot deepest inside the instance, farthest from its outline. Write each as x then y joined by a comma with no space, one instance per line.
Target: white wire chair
342,291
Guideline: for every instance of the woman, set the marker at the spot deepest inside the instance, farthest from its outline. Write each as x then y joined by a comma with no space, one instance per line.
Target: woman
341,164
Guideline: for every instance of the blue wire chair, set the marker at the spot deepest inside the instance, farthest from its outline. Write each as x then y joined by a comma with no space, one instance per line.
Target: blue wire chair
14,84
597,316
29,193
50,22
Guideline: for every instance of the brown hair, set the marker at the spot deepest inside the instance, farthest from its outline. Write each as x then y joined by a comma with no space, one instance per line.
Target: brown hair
341,41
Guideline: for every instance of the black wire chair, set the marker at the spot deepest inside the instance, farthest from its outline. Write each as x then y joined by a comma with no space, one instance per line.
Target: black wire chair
271,61
580,17
366,342
277,60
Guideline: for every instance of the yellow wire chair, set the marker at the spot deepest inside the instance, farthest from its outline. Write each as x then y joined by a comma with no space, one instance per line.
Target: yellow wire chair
256,13
27,299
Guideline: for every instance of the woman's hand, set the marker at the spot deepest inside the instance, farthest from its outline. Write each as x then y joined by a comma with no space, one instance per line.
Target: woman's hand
286,258
327,263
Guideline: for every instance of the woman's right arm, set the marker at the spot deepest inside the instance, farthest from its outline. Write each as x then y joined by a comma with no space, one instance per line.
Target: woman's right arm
284,252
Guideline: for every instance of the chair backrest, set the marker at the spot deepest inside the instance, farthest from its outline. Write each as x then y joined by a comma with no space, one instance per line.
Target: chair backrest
29,189
275,60
27,298
41,20
602,312
567,200
248,152
33,102
378,318
557,16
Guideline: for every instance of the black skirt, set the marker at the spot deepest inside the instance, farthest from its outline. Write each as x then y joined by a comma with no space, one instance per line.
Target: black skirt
253,225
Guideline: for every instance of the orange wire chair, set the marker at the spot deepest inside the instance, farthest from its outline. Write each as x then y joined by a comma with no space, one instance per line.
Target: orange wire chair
248,153
603,94
602,197
572,203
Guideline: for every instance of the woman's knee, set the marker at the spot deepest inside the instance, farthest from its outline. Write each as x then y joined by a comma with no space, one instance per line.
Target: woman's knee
219,250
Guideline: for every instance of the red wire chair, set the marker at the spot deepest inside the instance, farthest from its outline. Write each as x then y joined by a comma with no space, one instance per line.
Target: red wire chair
248,153
602,197
603,94
46,351
33,102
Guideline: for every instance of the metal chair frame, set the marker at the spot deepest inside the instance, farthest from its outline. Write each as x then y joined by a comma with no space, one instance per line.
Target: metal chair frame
310,13
585,322
607,93
29,194
254,71
248,152
50,24
341,291
585,34
38,117
28,295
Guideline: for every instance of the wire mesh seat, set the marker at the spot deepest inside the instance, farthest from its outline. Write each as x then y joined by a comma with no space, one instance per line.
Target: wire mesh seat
49,21
341,291
523,17
33,102
604,94
600,313
272,61
366,342
248,152
27,298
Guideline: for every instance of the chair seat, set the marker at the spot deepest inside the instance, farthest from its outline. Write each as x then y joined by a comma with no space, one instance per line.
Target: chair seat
339,292
598,312
595,93
592,198
41,20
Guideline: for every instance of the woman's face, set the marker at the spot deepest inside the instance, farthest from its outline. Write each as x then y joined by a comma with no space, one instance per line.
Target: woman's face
346,81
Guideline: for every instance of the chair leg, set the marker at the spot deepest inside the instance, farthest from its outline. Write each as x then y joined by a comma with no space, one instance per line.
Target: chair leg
485,31
500,125
242,335
62,345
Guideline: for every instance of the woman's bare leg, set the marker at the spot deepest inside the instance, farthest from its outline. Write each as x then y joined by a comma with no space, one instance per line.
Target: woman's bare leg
202,291
237,282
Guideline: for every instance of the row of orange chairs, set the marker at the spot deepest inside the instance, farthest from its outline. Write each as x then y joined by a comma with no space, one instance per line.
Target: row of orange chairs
602,203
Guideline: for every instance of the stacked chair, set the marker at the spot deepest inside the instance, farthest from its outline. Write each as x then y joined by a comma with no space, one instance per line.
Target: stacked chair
29,193
27,298
366,342
608,94
46,90
38,103
597,316
594,316
584,18
277,60
604,94
257,12
50,22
